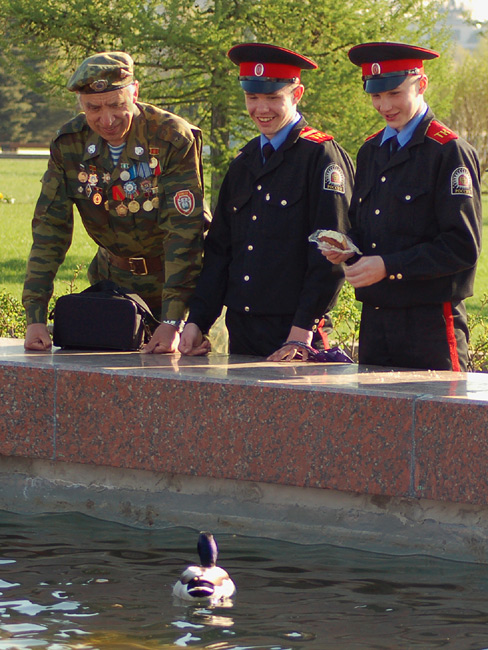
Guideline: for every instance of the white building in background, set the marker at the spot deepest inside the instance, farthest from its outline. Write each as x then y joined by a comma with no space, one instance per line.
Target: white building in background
465,34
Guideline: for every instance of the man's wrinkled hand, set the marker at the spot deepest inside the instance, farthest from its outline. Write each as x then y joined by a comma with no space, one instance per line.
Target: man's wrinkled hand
37,337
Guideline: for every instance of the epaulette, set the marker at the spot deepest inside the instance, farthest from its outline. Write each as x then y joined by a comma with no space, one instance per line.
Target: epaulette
316,136
370,137
75,125
440,133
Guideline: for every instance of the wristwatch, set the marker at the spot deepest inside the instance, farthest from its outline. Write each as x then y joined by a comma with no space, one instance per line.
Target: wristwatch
179,324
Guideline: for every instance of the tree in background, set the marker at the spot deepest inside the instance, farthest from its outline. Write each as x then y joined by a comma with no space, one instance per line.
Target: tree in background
179,47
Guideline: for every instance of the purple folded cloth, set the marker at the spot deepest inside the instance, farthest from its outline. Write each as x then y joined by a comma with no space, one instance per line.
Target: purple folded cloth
334,355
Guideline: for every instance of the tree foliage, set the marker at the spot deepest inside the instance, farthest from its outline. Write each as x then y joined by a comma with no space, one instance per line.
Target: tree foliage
179,47
469,116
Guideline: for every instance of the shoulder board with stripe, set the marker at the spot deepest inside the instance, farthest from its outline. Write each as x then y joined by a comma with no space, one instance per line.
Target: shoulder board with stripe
370,137
440,133
316,136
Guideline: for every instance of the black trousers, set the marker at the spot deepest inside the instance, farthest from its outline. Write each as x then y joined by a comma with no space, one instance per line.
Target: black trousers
261,335
428,337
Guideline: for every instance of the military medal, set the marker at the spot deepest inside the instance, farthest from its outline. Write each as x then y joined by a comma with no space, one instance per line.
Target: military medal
121,210
134,206
82,177
93,179
153,152
130,188
97,198
147,205
155,201
124,174
106,177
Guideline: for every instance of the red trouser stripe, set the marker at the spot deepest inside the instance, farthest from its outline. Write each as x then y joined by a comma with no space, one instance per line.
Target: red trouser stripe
451,336
323,335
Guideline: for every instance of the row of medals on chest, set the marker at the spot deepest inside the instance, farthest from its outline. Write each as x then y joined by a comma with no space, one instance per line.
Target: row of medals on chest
129,189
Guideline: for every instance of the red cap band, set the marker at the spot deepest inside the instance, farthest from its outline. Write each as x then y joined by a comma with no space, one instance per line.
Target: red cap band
394,65
274,70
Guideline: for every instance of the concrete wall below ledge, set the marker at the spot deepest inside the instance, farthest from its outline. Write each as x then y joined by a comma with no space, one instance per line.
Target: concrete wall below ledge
380,459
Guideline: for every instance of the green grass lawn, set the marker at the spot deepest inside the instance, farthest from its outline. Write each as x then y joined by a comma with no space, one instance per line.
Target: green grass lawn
20,179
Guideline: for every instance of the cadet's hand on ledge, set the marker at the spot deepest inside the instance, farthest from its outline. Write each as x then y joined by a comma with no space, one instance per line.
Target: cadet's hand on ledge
368,270
288,352
37,337
192,341
164,340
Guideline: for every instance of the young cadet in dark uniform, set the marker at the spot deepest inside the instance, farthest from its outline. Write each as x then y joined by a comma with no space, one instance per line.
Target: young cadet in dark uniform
416,217
257,260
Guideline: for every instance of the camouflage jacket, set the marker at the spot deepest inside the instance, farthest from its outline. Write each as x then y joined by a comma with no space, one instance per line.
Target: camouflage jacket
163,159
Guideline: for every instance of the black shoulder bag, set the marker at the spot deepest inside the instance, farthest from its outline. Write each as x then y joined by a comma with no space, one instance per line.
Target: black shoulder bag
104,316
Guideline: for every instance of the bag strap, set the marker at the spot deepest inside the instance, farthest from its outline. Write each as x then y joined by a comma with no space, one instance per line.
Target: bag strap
107,286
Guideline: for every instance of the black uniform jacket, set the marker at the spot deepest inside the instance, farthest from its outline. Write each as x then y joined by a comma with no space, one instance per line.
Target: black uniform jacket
257,258
421,212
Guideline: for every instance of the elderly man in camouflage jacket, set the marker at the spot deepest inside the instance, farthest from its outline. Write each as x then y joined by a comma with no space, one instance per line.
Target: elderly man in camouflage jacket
134,173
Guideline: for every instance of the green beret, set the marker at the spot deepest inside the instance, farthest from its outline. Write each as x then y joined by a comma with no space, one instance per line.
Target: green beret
102,73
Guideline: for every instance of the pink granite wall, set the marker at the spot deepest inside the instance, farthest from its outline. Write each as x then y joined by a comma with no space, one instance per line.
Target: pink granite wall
355,440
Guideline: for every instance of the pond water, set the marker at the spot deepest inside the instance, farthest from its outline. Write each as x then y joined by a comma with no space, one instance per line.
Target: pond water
73,582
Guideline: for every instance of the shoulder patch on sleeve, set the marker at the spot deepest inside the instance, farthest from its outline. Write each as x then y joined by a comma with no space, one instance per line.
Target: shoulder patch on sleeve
334,179
370,137
461,182
440,133
316,136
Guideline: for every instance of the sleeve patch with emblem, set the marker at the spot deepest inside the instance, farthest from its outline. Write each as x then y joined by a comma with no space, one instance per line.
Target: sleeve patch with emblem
461,182
334,179
184,202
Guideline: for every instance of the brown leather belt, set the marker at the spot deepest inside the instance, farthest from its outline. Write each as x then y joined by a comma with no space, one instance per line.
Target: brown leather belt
136,265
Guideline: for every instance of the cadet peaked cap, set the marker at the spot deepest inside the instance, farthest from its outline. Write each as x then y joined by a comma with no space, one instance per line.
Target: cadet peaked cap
265,68
102,73
385,65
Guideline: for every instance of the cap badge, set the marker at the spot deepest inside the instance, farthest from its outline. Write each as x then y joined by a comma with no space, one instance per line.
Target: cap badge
376,68
99,85
259,69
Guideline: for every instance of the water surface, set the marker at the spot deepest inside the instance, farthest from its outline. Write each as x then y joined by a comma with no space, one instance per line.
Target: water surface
72,582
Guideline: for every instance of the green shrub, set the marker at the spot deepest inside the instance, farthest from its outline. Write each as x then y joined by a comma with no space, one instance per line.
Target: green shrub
478,335
12,317
346,317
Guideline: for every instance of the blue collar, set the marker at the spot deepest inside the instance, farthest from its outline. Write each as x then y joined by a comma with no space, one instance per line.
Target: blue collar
405,135
278,139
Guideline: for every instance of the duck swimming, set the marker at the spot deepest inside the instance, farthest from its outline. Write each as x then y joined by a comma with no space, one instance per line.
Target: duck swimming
206,582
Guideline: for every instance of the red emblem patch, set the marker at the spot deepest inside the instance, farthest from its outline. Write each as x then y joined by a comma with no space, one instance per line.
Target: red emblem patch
184,202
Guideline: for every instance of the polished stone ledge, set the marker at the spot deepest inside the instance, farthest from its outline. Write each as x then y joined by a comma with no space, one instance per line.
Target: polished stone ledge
372,431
